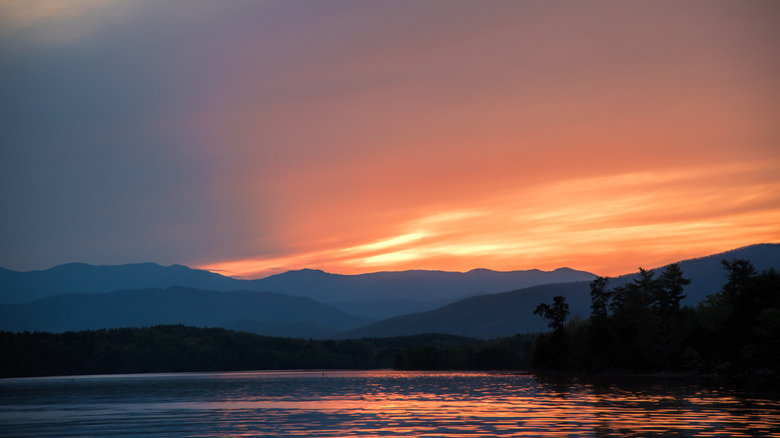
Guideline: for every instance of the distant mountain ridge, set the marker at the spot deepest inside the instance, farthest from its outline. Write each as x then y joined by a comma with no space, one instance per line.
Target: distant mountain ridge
275,313
482,315
79,278
412,286
509,313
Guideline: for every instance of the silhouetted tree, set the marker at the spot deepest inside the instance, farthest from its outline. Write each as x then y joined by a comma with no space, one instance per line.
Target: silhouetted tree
556,315
552,351
739,291
596,349
640,293
619,297
767,329
736,309
599,296
669,295
734,331
666,304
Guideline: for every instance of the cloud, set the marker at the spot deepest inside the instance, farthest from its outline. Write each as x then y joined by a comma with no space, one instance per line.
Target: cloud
659,217
59,21
260,136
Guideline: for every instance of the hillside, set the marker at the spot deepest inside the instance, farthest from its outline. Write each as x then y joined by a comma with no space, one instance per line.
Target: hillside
483,315
509,313
377,295
426,286
262,312
81,278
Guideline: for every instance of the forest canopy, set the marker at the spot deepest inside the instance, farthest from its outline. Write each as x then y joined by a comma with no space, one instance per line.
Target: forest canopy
641,327
178,348
636,327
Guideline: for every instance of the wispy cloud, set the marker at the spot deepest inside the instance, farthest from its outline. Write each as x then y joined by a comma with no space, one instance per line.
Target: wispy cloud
658,217
60,21
255,137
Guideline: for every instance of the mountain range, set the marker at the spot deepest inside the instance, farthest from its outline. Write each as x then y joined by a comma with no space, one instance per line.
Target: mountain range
376,295
177,305
508,313
310,303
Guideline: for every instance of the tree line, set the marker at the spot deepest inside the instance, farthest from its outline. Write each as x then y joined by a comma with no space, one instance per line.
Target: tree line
178,348
636,327
641,326
507,353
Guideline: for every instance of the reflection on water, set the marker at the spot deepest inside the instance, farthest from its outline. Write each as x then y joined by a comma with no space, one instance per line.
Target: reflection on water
376,403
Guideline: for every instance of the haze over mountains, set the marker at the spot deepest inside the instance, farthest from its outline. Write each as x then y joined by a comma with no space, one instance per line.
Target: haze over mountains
279,314
81,278
376,295
311,303
322,286
508,313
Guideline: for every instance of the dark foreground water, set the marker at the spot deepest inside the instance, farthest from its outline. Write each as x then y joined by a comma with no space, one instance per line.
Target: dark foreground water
376,403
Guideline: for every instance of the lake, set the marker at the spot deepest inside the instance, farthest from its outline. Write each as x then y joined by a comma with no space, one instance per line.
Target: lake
378,403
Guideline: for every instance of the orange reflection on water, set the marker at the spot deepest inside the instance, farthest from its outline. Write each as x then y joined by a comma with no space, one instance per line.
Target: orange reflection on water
467,405
380,403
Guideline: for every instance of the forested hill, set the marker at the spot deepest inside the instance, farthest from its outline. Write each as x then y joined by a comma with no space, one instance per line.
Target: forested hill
176,348
426,286
707,273
641,326
508,313
484,316
177,305
81,278
634,327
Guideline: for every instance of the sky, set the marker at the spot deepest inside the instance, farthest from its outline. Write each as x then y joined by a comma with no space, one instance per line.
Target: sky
255,137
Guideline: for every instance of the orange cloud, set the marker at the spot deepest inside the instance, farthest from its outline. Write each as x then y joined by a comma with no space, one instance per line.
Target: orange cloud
256,137
505,141
60,21
609,225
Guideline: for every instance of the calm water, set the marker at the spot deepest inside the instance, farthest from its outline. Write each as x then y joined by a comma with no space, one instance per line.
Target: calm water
375,403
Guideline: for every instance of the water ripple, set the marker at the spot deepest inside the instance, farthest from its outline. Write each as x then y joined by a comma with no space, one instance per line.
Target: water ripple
373,403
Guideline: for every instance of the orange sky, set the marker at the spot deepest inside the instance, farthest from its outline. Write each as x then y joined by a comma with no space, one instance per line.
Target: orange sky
357,137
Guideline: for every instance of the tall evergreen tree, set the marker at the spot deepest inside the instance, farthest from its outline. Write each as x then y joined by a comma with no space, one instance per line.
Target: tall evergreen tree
670,292
634,322
643,290
666,305
553,351
599,296
739,291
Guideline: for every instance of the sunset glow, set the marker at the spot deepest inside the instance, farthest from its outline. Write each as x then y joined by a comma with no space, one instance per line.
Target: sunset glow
252,138
610,222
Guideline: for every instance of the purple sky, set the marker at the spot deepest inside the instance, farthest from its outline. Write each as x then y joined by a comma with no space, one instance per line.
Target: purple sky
253,137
